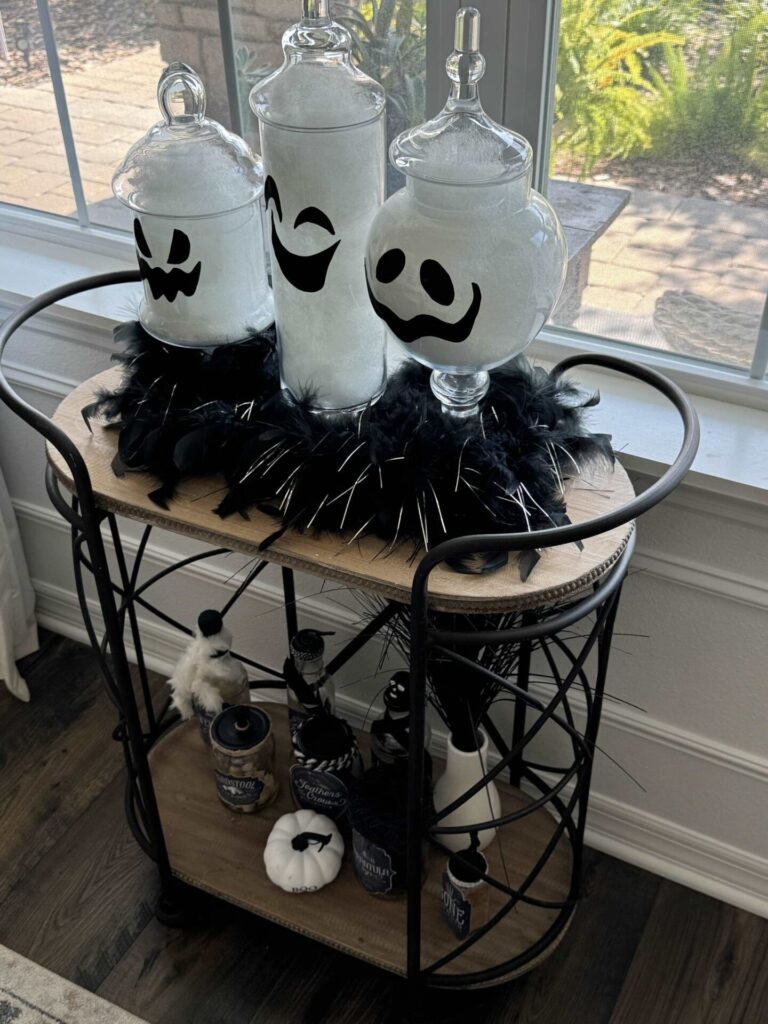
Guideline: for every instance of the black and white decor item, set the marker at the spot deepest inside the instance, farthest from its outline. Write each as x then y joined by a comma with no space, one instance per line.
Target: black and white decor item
463,266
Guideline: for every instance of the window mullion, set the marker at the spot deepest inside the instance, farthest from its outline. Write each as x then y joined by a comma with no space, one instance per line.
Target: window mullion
759,365
230,65
531,63
62,108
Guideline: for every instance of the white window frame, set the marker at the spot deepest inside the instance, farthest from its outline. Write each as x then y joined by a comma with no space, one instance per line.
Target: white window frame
519,40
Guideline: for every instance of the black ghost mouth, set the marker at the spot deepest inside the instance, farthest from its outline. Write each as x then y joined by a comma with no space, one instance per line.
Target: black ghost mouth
425,325
305,273
167,283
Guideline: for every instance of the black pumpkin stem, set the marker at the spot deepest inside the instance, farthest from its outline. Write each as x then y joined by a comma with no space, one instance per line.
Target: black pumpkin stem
303,839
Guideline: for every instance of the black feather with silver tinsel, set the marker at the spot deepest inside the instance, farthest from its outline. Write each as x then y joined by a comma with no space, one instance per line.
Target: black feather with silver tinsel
400,470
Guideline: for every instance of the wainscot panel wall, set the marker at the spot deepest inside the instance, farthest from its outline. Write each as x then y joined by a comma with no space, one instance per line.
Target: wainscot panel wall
687,719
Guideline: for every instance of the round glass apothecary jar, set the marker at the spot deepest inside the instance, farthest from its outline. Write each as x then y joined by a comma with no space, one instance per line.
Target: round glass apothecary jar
321,123
195,191
464,264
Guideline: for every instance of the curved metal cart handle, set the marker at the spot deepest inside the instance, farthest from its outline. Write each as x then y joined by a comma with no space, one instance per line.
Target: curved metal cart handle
42,423
626,513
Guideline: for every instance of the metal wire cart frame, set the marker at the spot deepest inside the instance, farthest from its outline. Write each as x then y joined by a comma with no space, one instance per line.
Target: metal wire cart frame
563,790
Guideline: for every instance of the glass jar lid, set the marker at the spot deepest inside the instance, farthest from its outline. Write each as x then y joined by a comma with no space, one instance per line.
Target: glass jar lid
462,145
318,88
187,165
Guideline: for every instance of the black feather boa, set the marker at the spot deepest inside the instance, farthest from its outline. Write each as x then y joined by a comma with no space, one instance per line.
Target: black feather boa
400,470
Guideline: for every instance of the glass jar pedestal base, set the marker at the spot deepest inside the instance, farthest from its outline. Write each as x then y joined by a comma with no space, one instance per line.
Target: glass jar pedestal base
460,394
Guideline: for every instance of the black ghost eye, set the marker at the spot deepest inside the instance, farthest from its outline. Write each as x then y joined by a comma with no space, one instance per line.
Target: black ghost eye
436,282
270,192
390,265
179,247
141,241
311,215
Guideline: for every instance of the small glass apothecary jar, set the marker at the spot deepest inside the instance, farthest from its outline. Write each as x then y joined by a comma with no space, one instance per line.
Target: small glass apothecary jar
464,264
195,191
243,757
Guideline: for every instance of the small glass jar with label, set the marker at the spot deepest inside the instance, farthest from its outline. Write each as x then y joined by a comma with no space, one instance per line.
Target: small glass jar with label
310,689
243,757
466,894
327,759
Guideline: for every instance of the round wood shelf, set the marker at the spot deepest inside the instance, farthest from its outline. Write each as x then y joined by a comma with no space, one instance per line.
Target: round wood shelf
562,572
216,850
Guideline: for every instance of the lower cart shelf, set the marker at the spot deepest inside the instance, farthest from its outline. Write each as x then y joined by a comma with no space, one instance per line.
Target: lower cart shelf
220,852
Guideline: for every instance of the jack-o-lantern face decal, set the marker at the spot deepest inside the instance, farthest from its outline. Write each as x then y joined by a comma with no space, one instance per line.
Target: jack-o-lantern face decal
437,284
307,273
167,283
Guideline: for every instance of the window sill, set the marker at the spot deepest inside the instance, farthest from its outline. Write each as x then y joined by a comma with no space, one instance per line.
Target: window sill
732,460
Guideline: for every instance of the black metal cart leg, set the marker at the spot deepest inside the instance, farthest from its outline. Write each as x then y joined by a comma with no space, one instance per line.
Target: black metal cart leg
289,597
604,641
129,712
518,723
415,824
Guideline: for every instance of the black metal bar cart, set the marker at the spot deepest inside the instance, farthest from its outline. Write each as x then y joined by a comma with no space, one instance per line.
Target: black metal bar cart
535,857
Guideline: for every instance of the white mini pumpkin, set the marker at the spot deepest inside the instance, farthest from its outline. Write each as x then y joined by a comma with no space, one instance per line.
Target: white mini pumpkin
303,852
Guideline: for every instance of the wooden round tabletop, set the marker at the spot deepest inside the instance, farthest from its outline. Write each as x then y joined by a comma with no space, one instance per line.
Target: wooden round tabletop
562,571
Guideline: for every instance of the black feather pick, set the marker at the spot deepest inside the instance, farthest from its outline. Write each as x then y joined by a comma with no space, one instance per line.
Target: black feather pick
400,470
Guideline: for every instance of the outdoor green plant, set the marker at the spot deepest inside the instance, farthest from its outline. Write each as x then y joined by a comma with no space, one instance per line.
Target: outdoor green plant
718,97
605,91
389,44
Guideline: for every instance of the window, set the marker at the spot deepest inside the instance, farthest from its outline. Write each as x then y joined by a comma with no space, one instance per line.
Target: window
649,120
78,82
659,168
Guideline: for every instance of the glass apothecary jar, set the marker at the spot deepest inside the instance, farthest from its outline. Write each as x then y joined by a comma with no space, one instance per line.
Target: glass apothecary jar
321,123
464,264
195,191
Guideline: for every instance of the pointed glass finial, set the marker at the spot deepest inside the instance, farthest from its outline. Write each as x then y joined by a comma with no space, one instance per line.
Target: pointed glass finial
466,65
315,10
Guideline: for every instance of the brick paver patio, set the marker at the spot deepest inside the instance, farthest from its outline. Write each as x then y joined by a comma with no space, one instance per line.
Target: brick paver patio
110,105
660,245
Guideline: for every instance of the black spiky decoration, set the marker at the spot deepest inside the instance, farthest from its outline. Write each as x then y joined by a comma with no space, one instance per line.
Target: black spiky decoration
401,469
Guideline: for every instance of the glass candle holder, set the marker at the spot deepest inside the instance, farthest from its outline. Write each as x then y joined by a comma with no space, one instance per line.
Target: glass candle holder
464,264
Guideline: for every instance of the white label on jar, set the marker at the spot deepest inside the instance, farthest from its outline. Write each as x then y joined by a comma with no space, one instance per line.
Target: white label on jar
238,792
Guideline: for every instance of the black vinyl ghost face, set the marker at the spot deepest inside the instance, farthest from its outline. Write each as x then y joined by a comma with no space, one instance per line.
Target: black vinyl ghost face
167,283
438,286
307,273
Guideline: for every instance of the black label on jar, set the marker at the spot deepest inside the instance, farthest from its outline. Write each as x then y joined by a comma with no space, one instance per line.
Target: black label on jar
319,791
238,792
457,910
373,865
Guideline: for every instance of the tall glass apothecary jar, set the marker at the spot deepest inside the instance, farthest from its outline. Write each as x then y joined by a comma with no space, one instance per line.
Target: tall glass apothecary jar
464,264
195,192
321,122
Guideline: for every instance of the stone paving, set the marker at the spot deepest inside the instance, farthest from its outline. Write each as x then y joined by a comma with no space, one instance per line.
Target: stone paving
660,246
110,105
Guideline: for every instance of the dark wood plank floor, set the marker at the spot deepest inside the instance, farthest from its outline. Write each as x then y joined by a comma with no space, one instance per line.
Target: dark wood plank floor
77,896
